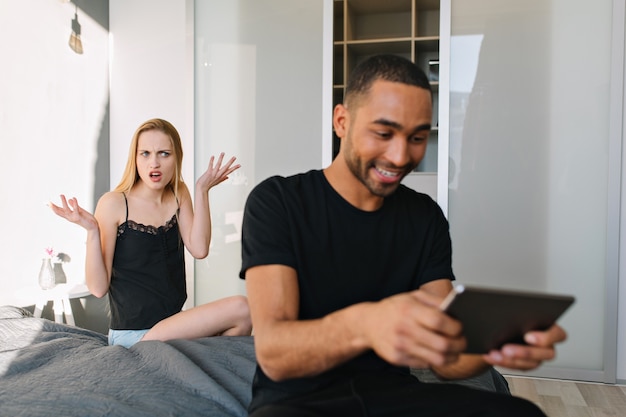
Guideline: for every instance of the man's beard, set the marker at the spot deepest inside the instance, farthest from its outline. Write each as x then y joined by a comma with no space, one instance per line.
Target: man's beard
361,170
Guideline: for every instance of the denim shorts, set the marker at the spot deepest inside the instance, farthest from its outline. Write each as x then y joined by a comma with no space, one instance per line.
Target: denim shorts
126,338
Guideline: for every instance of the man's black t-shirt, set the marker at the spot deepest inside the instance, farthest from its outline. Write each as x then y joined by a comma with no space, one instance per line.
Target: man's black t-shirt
342,255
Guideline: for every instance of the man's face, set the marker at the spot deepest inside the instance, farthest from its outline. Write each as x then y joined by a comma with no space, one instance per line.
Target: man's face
386,135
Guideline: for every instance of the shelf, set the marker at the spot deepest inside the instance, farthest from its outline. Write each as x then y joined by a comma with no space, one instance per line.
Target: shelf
427,19
338,64
427,4
408,28
337,96
338,26
374,7
379,26
390,46
427,44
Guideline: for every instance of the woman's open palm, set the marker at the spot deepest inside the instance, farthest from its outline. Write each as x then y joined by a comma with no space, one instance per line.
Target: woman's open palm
216,173
71,211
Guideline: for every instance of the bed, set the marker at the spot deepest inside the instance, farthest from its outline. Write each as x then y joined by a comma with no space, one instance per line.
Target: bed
49,368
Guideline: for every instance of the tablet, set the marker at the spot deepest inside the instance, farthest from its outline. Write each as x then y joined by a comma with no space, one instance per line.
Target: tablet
493,317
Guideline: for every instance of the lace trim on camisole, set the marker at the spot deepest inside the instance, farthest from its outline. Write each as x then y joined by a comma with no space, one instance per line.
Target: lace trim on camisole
152,230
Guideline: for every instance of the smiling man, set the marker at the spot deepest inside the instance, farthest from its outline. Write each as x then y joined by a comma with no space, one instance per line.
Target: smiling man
345,269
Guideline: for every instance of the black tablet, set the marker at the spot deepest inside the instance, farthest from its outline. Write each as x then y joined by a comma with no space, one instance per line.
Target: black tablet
493,317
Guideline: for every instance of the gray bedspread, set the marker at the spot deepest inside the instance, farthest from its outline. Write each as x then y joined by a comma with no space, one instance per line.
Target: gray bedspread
50,369
53,369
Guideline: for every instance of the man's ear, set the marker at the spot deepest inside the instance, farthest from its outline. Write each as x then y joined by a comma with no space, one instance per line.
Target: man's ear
341,120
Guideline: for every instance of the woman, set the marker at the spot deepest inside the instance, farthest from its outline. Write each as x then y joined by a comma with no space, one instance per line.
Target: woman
136,240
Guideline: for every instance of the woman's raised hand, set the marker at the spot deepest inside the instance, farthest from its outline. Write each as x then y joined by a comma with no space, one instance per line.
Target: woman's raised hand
217,172
71,211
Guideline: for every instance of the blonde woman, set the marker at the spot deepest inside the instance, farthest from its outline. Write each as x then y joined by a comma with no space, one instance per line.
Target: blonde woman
136,240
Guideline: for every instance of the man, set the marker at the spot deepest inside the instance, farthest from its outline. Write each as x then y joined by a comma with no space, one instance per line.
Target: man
345,269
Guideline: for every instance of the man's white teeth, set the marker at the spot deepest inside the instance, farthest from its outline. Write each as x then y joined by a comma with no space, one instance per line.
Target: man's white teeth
387,173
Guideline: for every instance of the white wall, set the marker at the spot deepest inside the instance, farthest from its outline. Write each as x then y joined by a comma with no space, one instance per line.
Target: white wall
53,112
259,96
151,76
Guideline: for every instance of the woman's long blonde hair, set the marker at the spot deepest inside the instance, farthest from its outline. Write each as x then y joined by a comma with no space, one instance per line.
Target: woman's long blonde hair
131,176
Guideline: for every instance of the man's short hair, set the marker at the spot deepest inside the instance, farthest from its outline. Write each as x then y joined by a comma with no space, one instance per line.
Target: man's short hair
384,67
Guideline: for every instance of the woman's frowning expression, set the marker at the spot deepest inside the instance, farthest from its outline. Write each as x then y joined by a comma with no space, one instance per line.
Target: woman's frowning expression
156,164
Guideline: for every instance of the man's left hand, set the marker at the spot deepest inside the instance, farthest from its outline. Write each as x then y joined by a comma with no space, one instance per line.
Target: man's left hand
540,348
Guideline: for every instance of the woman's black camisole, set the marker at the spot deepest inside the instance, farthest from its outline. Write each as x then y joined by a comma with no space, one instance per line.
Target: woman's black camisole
148,276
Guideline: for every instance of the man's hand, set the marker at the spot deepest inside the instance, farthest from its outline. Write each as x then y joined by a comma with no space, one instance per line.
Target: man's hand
410,330
540,348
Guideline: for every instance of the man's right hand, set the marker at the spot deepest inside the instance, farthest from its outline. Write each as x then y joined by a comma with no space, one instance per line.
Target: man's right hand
410,329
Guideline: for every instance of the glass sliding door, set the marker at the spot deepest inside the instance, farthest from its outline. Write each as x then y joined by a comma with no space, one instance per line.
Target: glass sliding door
262,93
530,168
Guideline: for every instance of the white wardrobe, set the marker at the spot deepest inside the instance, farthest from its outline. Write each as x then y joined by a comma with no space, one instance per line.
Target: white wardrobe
534,93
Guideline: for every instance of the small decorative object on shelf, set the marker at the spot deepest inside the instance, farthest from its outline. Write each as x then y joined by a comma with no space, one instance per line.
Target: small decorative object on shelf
46,272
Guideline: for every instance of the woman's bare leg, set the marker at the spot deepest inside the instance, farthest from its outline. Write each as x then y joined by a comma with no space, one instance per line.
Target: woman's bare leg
228,317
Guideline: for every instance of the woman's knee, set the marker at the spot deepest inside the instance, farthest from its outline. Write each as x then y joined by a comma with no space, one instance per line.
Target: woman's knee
242,314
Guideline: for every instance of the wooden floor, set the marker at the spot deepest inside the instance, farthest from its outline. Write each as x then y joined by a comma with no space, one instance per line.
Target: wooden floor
571,398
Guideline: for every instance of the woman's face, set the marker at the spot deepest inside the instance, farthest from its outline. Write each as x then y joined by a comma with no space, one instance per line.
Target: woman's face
156,162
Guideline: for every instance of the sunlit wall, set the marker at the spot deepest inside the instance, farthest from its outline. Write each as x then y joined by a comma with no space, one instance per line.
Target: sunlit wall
53,131
152,76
